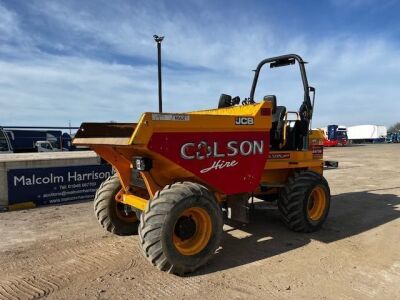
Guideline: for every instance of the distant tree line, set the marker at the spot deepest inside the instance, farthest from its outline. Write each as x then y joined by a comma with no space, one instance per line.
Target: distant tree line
394,128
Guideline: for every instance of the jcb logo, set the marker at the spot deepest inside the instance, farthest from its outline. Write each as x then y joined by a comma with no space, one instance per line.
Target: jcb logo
244,121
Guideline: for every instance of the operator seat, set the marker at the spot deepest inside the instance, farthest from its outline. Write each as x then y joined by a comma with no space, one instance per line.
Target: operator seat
298,131
278,115
294,138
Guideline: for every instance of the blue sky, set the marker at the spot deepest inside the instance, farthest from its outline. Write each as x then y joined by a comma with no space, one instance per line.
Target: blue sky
96,60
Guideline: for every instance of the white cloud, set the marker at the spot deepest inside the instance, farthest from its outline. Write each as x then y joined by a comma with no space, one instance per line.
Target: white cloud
54,90
355,4
357,82
8,23
355,79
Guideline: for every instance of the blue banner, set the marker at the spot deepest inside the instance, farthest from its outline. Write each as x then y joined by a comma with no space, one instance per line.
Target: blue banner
55,185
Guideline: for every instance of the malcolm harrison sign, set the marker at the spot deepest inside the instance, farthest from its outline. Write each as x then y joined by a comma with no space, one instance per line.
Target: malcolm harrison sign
55,185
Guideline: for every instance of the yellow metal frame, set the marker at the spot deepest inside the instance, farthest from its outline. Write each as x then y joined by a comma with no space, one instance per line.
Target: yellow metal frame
134,201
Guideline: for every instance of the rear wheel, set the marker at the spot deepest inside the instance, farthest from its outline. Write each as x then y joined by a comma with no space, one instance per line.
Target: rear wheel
181,228
304,202
114,216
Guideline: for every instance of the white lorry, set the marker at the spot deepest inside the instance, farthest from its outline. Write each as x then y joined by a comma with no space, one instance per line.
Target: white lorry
367,133
45,146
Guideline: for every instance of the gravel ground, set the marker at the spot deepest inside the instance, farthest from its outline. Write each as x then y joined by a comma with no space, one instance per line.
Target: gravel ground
61,252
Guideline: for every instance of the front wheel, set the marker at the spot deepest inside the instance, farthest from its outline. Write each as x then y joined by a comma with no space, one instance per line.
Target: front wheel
304,202
181,228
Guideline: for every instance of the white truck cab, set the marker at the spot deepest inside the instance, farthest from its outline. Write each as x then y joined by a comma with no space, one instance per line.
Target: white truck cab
45,146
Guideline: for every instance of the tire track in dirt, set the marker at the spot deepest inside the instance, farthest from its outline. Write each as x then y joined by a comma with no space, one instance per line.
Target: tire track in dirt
160,285
33,278
14,264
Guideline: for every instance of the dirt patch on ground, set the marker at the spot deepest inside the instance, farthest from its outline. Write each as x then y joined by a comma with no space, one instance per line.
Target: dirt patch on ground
62,253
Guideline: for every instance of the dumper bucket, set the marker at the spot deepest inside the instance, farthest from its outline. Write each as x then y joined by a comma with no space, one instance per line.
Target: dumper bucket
104,134
203,146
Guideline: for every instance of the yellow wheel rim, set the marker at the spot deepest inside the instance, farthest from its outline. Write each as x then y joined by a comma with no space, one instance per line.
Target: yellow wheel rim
316,204
192,231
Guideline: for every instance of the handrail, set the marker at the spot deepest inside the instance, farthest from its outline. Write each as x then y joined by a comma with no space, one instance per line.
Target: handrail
283,144
282,58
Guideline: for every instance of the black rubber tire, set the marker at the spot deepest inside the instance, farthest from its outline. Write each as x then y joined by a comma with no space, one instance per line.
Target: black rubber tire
105,208
293,201
158,221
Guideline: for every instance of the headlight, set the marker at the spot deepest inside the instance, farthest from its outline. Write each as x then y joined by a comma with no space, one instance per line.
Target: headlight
143,163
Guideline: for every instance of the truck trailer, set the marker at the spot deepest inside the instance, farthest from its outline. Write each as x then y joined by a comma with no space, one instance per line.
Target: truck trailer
24,140
366,134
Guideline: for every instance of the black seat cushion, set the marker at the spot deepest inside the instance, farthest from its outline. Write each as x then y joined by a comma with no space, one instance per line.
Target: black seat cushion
294,136
276,134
